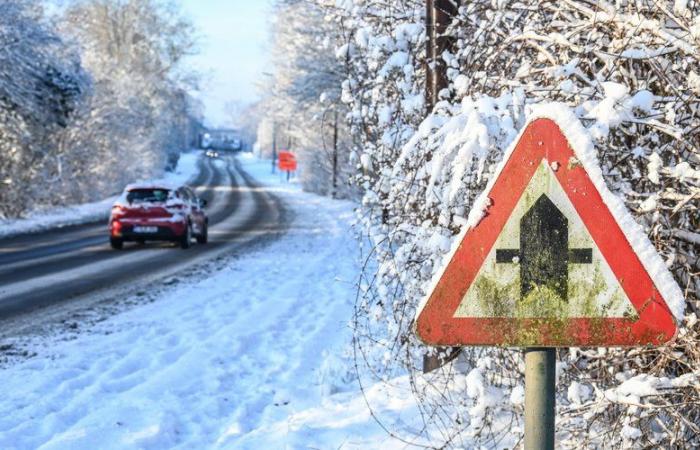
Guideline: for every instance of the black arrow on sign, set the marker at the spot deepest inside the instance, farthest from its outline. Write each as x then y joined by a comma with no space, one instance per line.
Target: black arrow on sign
544,252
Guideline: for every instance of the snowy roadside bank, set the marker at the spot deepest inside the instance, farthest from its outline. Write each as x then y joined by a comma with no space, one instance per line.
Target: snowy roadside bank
64,216
340,416
209,362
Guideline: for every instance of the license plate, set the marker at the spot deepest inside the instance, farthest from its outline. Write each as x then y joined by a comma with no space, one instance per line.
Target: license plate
145,229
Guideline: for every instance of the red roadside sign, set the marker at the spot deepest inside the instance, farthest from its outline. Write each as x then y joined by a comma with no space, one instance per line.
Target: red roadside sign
548,265
287,161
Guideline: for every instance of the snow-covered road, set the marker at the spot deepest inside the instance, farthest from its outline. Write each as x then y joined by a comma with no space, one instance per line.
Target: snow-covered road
206,363
71,266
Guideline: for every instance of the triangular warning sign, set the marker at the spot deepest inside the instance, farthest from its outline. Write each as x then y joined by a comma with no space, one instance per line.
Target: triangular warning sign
548,264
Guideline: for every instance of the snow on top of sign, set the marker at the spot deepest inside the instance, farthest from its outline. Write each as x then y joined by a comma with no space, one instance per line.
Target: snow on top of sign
580,141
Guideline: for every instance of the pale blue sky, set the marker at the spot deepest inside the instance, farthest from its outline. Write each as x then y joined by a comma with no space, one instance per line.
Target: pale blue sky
233,51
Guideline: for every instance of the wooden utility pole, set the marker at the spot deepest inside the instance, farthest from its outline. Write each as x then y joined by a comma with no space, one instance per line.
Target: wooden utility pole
429,55
335,155
438,15
274,145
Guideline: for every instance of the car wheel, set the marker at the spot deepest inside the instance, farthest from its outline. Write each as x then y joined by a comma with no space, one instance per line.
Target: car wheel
203,237
186,239
116,244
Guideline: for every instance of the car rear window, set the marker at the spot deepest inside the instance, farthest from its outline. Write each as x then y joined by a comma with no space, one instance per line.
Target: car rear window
147,196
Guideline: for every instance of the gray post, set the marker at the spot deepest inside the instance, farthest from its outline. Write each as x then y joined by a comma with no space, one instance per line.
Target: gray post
540,368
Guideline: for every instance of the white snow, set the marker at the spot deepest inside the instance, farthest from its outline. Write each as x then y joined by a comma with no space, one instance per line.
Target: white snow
680,7
614,91
413,103
366,161
639,386
396,60
63,216
694,78
478,211
461,84
632,390
409,32
241,359
683,171
643,100
655,164
630,432
517,395
578,393
649,204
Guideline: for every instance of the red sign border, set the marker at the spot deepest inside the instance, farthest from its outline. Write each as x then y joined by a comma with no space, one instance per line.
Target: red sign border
543,139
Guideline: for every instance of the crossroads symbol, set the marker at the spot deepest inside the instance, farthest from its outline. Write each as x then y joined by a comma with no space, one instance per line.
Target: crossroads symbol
544,252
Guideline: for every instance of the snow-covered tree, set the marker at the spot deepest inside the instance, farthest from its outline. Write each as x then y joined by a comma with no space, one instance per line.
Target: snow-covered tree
302,105
92,103
140,111
41,85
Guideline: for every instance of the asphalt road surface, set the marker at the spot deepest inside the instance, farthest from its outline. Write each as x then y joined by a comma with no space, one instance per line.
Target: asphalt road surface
58,266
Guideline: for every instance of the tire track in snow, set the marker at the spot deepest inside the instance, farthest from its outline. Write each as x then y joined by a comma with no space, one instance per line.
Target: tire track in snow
235,213
205,363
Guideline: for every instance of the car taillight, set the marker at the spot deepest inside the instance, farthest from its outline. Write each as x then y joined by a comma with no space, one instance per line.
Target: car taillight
116,228
118,210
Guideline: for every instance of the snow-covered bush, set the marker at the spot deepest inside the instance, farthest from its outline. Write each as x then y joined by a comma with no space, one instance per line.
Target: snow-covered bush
629,71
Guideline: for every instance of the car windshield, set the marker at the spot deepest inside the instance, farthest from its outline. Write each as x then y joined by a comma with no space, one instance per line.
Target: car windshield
147,196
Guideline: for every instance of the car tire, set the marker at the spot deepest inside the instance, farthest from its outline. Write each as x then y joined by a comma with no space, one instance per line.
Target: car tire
186,239
203,237
116,244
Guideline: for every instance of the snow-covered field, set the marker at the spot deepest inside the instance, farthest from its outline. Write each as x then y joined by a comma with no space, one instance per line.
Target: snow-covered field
254,356
89,212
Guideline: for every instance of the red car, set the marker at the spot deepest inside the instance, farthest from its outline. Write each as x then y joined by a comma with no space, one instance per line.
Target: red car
158,212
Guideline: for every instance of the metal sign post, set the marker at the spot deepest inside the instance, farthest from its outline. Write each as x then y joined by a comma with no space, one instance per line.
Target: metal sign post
540,402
